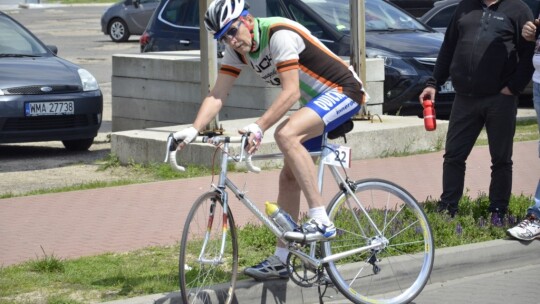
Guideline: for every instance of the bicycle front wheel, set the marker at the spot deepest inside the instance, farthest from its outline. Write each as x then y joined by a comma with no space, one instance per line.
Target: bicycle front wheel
208,253
388,220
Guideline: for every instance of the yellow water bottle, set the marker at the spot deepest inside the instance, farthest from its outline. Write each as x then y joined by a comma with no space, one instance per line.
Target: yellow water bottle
280,217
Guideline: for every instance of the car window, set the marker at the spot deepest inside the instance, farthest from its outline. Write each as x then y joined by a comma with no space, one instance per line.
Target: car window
308,22
181,13
15,40
380,15
274,8
335,12
442,18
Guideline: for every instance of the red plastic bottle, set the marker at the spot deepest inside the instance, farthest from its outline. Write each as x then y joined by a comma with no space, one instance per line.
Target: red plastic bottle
430,122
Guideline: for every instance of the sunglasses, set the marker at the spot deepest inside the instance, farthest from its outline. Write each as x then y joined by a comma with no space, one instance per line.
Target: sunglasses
230,34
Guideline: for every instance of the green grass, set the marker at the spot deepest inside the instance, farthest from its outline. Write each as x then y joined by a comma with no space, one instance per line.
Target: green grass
90,279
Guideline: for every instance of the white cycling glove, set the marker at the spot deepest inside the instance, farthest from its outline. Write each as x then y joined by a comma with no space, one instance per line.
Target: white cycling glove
186,135
256,130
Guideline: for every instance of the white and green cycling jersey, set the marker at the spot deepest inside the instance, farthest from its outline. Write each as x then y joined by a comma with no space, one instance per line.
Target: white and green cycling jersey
282,45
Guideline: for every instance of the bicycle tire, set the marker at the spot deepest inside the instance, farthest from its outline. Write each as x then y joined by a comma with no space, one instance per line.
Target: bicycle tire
395,272
209,282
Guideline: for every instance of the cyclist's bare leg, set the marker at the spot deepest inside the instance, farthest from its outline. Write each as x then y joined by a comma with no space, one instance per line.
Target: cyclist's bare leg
299,127
288,195
289,192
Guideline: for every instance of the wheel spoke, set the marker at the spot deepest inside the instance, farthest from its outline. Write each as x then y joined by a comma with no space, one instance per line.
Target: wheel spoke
390,221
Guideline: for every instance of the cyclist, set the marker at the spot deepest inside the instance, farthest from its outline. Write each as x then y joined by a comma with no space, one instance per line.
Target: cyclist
285,54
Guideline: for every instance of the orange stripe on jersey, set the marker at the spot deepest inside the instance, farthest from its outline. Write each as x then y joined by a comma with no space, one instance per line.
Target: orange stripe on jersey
321,79
310,39
288,65
230,70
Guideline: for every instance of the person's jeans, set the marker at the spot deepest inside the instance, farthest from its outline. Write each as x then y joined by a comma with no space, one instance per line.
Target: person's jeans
535,209
469,115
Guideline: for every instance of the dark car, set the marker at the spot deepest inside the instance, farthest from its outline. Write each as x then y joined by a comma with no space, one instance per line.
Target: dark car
44,97
174,26
439,16
415,7
126,18
408,47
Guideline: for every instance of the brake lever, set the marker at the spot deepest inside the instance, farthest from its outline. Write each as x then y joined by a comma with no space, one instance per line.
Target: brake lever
171,146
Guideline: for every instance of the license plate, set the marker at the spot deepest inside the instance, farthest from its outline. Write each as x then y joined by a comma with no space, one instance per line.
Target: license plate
49,108
447,87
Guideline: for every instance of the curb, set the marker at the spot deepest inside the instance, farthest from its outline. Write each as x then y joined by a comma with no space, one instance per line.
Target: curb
450,263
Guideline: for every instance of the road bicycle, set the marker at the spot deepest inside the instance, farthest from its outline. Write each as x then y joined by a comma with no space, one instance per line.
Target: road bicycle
383,251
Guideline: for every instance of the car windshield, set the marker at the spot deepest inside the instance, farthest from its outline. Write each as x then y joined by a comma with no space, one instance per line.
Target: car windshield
17,42
380,16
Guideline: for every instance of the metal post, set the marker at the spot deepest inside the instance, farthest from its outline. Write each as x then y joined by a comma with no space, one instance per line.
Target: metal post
358,40
208,60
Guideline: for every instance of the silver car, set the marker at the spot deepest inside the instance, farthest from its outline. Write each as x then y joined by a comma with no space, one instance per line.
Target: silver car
126,18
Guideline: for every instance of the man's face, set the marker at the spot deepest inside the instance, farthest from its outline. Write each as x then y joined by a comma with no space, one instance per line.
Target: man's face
238,37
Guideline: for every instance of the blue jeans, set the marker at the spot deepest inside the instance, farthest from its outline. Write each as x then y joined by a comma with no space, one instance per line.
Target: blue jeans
535,209
536,98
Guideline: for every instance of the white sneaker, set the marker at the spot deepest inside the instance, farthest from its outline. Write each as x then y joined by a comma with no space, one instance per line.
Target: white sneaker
527,230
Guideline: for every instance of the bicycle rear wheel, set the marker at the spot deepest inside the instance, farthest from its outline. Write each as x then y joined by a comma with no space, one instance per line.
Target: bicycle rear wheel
206,275
397,269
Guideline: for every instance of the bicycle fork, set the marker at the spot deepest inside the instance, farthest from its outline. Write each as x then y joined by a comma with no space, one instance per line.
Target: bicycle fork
219,259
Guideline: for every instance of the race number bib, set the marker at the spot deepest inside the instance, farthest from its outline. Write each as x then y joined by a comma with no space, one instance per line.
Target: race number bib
337,155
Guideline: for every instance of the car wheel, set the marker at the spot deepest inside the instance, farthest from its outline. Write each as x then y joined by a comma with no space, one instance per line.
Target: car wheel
118,30
78,144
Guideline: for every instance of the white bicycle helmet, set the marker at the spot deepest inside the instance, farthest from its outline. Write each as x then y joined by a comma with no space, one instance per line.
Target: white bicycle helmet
220,13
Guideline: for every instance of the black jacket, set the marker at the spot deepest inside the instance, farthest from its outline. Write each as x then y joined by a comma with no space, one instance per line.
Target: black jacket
483,50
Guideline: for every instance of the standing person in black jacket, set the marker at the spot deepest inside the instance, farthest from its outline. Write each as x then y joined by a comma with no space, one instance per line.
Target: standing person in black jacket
489,63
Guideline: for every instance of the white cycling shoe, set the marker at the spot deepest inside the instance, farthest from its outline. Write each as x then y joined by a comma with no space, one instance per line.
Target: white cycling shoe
312,231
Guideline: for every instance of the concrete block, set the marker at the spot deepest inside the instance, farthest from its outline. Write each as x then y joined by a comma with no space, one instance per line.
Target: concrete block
374,70
389,136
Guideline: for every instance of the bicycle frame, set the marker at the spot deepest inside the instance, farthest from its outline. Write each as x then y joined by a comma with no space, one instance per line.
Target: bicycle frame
224,182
